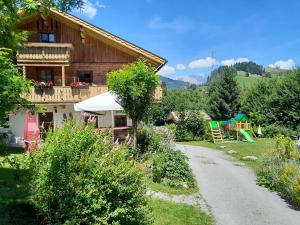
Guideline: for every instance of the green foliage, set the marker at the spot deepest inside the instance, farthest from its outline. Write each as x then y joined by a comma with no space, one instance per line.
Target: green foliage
224,100
18,163
152,139
78,177
12,86
274,130
31,6
171,167
281,170
219,72
134,84
267,101
178,100
249,67
191,127
10,36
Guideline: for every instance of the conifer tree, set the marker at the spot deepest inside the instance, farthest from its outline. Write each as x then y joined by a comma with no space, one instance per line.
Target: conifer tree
224,97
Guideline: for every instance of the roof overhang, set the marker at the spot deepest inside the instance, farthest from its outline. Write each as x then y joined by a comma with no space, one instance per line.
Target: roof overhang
102,35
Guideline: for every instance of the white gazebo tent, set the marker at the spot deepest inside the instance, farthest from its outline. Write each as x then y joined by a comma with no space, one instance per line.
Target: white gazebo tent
99,103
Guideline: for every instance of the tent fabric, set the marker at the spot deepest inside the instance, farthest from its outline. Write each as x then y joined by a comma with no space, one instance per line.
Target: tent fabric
103,102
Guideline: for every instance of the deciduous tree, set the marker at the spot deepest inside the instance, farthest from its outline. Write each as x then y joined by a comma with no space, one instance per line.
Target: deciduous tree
135,85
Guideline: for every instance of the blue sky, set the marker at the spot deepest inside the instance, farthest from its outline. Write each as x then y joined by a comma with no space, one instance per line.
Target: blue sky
196,36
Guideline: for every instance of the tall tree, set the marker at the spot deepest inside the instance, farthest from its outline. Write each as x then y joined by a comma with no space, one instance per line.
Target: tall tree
224,96
135,85
12,87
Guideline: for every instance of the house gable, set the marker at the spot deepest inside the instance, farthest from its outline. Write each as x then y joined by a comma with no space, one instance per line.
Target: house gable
91,43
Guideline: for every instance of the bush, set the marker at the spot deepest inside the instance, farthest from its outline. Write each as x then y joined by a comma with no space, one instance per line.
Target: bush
171,167
79,177
274,130
191,127
153,139
281,170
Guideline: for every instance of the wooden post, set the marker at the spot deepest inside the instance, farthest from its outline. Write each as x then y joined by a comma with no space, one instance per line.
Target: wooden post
24,72
63,82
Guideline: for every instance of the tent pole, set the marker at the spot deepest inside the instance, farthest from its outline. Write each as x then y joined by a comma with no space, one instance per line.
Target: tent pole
112,124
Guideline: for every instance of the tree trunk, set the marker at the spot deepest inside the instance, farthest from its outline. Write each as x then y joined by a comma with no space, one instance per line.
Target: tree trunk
134,132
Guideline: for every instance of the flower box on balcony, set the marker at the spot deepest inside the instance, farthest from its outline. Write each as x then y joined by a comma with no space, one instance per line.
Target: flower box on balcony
44,85
79,85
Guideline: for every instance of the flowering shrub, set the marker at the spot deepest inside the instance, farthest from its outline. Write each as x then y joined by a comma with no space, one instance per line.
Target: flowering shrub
169,166
172,168
80,177
44,85
281,170
154,139
79,85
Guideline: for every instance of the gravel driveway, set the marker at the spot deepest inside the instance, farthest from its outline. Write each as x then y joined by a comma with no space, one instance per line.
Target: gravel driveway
232,192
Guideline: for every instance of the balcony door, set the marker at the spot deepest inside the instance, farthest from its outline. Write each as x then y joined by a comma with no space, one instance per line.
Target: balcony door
46,75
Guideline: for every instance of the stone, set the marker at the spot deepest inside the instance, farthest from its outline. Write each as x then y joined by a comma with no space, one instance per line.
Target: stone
184,185
249,158
222,146
232,152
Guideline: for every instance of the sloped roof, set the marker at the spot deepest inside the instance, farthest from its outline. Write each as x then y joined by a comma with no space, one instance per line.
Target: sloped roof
106,36
240,116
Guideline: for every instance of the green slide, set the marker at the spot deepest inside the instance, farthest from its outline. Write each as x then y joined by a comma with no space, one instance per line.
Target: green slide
246,135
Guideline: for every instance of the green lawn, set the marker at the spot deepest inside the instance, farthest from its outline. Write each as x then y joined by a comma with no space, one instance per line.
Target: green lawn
258,148
14,204
169,213
244,81
170,190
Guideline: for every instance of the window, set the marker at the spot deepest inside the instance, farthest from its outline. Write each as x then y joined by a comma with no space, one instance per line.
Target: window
46,76
48,37
85,76
121,121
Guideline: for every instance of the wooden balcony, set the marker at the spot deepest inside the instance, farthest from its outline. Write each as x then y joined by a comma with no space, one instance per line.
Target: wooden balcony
63,95
45,53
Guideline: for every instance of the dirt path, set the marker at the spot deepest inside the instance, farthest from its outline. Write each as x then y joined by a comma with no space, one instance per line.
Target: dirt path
232,192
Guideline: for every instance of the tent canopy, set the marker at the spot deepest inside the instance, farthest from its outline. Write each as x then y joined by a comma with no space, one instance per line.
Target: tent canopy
103,102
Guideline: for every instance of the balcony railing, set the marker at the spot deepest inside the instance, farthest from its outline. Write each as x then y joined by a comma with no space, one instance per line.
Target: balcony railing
46,53
64,94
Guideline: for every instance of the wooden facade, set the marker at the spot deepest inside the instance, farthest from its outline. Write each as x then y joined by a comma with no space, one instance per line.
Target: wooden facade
76,47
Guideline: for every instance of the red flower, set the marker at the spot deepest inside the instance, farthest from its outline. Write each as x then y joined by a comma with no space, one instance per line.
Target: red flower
79,84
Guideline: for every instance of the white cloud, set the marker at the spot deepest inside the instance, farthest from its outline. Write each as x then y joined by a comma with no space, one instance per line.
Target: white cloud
90,9
180,67
230,62
166,70
287,65
203,63
99,5
193,79
177,24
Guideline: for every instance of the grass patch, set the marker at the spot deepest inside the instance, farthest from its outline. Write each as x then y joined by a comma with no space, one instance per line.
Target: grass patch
169,213
258,148
15,208
245,82
171,190
161,187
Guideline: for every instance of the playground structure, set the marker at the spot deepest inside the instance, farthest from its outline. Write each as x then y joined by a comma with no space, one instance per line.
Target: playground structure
239,126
